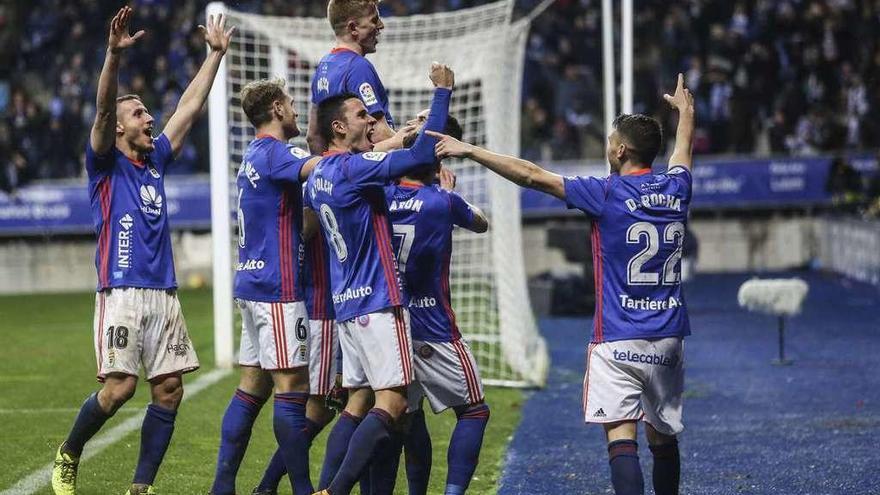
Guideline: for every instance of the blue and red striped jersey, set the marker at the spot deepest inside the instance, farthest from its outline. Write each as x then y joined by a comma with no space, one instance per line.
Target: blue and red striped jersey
316,272
638,226
270,245
423,218
130,213
346,192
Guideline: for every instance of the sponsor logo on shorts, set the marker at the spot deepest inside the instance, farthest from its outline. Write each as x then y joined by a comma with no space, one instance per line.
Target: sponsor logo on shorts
363,320
303,355
635,357
350,294
646,303
111,358
599,414
245,266
180,348
426,351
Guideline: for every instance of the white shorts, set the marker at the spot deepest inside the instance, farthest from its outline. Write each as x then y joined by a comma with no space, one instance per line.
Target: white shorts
446,373
636,380
135,327
323,349
274,336
377,350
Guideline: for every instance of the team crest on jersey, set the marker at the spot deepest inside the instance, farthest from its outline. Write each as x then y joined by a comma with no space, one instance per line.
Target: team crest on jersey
426,351
367,94
298,152
250,173
324,85
375,156
363,320
152,200
153,171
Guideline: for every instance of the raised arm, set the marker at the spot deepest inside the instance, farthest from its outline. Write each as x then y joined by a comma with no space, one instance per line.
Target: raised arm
103,133
193,98
683,101
479,222
521,172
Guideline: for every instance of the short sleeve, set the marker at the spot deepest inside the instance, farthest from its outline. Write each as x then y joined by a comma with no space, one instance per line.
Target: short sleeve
98,164
286,163
682,176
162,154
364,82
368,169
587,194
462,214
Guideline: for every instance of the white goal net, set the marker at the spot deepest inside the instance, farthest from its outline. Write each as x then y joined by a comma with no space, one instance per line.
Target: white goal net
485,48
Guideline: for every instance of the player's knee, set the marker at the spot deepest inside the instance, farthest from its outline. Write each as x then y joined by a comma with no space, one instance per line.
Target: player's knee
168,393
255,381
113,396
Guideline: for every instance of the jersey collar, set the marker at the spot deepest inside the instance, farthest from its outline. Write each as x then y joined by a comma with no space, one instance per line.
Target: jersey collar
331,153
263,135
339,49
409,183
641,171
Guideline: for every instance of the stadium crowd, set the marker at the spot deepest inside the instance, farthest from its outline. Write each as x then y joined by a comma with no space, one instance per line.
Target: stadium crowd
769,76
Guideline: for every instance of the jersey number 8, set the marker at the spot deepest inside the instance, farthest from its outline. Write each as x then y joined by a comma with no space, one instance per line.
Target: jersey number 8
332,228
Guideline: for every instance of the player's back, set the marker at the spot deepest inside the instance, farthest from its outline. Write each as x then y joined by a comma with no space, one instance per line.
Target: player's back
637,233
423,218
269,222
345,191
131,217
344,71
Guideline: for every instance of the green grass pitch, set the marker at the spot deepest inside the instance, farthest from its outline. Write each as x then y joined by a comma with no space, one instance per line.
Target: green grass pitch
47,368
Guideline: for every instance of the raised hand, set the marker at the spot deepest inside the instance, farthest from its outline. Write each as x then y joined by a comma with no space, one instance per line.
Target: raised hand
449,146
682,100
216,35
442,76
119,38
447,179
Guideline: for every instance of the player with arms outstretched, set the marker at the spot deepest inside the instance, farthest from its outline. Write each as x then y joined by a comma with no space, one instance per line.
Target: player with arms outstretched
635,358
138,321
357,26
424,215
346,192
270,293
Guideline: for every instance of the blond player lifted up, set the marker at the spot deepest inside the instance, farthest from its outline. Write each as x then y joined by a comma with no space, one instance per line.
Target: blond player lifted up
635,360
138,321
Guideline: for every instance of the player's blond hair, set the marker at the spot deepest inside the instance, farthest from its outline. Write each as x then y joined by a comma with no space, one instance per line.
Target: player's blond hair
339,12
257,98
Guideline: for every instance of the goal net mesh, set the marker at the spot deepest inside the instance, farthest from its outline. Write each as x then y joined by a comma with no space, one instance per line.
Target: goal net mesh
485,48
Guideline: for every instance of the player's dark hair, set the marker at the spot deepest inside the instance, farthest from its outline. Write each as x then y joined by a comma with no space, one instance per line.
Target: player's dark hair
330,110
257,98
340,11
642,135
424,174
453,128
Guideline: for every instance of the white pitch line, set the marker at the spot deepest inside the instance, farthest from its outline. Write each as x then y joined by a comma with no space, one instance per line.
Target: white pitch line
59,410
41,477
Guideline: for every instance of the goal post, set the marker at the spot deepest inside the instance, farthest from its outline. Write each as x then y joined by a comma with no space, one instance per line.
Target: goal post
486,49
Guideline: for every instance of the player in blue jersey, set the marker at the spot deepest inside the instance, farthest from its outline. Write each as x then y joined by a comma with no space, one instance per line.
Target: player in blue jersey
635,359
357,26
270,293
138,321
424,215
346,192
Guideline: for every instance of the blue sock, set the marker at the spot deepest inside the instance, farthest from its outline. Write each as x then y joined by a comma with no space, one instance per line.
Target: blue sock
667,468
464,448
276,468
418,454
89,420
373,430
235,433
337,446
292,434
626,473
155,437
386,460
